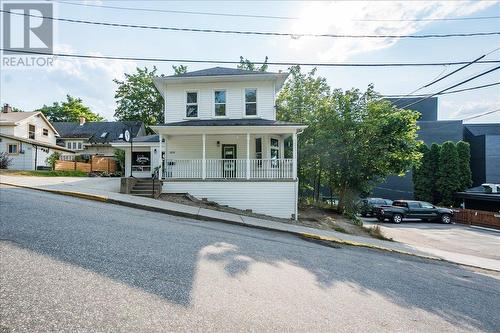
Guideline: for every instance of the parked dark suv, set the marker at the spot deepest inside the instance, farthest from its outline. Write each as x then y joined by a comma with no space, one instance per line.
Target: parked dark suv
413,209
368,205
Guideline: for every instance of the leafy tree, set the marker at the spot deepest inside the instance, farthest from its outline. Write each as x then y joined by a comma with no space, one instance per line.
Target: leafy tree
423,176
70,110
5,160
120,158
301,100
52,158
138,99
181,69
250,66
463,150
448,174
354,139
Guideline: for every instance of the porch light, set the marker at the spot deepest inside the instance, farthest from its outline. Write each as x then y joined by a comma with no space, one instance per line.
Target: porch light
218,143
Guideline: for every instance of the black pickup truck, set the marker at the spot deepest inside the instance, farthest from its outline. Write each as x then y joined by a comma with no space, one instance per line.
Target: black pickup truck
425,211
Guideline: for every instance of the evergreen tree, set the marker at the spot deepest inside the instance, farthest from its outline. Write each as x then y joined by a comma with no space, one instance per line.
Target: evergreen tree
423,176
463,149
434,163
448,181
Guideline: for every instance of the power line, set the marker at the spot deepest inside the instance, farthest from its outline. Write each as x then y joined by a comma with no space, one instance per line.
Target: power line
269,16
481,114
257,33
276,63
431,19
453,86
447,92
179,11
449,74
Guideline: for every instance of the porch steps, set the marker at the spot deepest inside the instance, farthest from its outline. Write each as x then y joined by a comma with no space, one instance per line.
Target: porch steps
144,188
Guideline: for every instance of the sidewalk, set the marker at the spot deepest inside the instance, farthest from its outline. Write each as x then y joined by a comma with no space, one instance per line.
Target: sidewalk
106,190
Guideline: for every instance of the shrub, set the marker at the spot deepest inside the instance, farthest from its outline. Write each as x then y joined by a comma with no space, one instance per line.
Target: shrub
52,158
5,160
120,158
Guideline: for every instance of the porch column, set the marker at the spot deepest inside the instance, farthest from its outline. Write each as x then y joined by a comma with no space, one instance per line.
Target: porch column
160,171
204,161
248,155
294,170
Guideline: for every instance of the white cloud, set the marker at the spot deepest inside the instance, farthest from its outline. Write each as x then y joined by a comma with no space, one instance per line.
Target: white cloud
459,110
343,18
89,79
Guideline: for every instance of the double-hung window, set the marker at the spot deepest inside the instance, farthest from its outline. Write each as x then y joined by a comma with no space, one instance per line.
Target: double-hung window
13,149
275,152
258,151
45,132
251,102
191,104
31,132
220,103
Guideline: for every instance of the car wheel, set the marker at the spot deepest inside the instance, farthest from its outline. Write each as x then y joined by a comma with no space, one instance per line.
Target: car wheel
446,218
397,218
381,219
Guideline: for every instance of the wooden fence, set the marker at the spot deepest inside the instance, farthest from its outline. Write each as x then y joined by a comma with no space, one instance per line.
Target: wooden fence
478,218
97,164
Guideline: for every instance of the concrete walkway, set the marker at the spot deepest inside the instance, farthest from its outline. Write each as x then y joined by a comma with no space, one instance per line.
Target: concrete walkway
106,189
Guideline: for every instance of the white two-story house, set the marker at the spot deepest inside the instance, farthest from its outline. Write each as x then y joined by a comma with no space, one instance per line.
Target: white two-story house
28,138
221,141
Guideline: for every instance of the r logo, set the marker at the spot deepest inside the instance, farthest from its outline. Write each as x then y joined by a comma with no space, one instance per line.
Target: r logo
22,32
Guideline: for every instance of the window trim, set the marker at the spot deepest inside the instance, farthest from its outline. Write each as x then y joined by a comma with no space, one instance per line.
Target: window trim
256,115
34,132
214,103
13,144
197,103
45,131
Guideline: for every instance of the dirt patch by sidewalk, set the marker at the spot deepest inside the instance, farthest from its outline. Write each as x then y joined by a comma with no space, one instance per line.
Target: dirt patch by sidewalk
309,216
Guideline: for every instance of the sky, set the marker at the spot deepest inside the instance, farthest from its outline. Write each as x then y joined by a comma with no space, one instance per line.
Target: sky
30,88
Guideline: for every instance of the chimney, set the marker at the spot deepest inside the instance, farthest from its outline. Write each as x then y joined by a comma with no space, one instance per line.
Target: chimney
82,121
7,108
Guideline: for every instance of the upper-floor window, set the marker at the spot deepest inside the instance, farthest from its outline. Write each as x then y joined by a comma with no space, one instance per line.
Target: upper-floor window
45,132
250,102
220,102
191,104
74,145
31,132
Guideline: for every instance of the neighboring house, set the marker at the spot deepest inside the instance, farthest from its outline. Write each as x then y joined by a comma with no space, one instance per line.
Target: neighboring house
221,141
485,197
94,138
28,138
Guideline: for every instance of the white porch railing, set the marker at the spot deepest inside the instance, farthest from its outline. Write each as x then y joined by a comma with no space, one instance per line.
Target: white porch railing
229,169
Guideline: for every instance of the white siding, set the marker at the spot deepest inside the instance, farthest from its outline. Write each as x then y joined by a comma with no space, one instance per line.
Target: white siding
235,99
21,130
25,160
190,146
270,198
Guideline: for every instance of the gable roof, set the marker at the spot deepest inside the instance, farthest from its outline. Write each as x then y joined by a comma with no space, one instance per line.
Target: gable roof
94,131
13,118
220,71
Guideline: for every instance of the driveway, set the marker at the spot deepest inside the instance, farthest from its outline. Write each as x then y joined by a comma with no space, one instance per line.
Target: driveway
69,264
438,238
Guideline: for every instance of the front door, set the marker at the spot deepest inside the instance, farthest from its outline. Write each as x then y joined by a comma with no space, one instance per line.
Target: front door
229,162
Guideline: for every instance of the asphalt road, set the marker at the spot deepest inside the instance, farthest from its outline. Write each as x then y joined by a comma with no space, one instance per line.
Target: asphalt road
69,264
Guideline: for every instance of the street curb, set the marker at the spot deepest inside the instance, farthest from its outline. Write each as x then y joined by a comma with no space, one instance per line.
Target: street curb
102,198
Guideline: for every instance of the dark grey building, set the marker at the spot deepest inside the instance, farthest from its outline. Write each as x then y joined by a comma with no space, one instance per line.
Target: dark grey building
484,140
431,131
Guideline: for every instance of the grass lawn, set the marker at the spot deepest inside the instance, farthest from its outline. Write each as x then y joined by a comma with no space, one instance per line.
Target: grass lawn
44,173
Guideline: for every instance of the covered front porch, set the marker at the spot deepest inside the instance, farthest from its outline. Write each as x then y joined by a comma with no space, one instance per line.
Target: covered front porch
227,153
